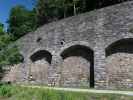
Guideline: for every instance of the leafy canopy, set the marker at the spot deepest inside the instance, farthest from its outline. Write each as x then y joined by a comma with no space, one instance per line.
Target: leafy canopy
21,21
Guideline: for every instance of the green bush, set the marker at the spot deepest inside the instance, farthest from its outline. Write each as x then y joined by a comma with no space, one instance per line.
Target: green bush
5,90
10,56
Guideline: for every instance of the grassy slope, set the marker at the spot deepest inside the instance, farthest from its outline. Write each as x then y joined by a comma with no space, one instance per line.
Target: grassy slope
19,93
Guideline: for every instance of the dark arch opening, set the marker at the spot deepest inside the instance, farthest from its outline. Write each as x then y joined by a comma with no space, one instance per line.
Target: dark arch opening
41,55
120,46
81,51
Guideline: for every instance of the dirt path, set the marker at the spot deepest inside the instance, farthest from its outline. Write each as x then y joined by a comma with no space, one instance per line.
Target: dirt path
129,93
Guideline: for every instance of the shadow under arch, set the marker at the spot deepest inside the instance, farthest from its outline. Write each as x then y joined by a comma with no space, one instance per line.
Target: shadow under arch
84,52
120,46
40,55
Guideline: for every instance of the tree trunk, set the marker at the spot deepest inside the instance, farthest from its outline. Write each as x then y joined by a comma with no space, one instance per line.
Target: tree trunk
74,8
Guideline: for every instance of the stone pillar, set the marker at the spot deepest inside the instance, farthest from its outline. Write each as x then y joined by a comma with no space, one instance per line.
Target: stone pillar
55,71
99,52
99,67
24,71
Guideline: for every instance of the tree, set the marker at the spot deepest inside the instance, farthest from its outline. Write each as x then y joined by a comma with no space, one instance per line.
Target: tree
21,21
10,56
51,10
4,40
41,13
4,37
48,10
1,29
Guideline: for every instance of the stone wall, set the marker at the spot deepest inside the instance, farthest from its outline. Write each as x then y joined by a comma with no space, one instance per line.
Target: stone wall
12,73
120,70
39,72
75,72
96,31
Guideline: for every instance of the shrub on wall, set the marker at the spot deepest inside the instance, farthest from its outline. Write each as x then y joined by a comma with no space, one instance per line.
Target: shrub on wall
10,56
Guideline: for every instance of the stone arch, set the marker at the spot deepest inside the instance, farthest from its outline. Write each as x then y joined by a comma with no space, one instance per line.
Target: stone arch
77,69
119,63
41,61
67,45
40,55
120,46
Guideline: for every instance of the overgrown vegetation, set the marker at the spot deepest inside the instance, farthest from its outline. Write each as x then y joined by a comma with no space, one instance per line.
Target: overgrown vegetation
10,56
21,21
20,93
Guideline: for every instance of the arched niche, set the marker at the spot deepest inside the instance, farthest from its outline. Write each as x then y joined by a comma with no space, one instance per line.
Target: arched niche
120,46
42,54
119,63
77,69
41,61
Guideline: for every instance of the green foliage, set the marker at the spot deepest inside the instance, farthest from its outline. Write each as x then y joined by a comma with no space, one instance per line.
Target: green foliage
4,40
51,10
20,93
10,56
21,21
1,29
5,90
47,11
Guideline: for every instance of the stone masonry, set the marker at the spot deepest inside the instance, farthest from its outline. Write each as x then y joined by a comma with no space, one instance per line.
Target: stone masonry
94,49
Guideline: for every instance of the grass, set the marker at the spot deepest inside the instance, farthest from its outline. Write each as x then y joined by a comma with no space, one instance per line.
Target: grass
8,92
